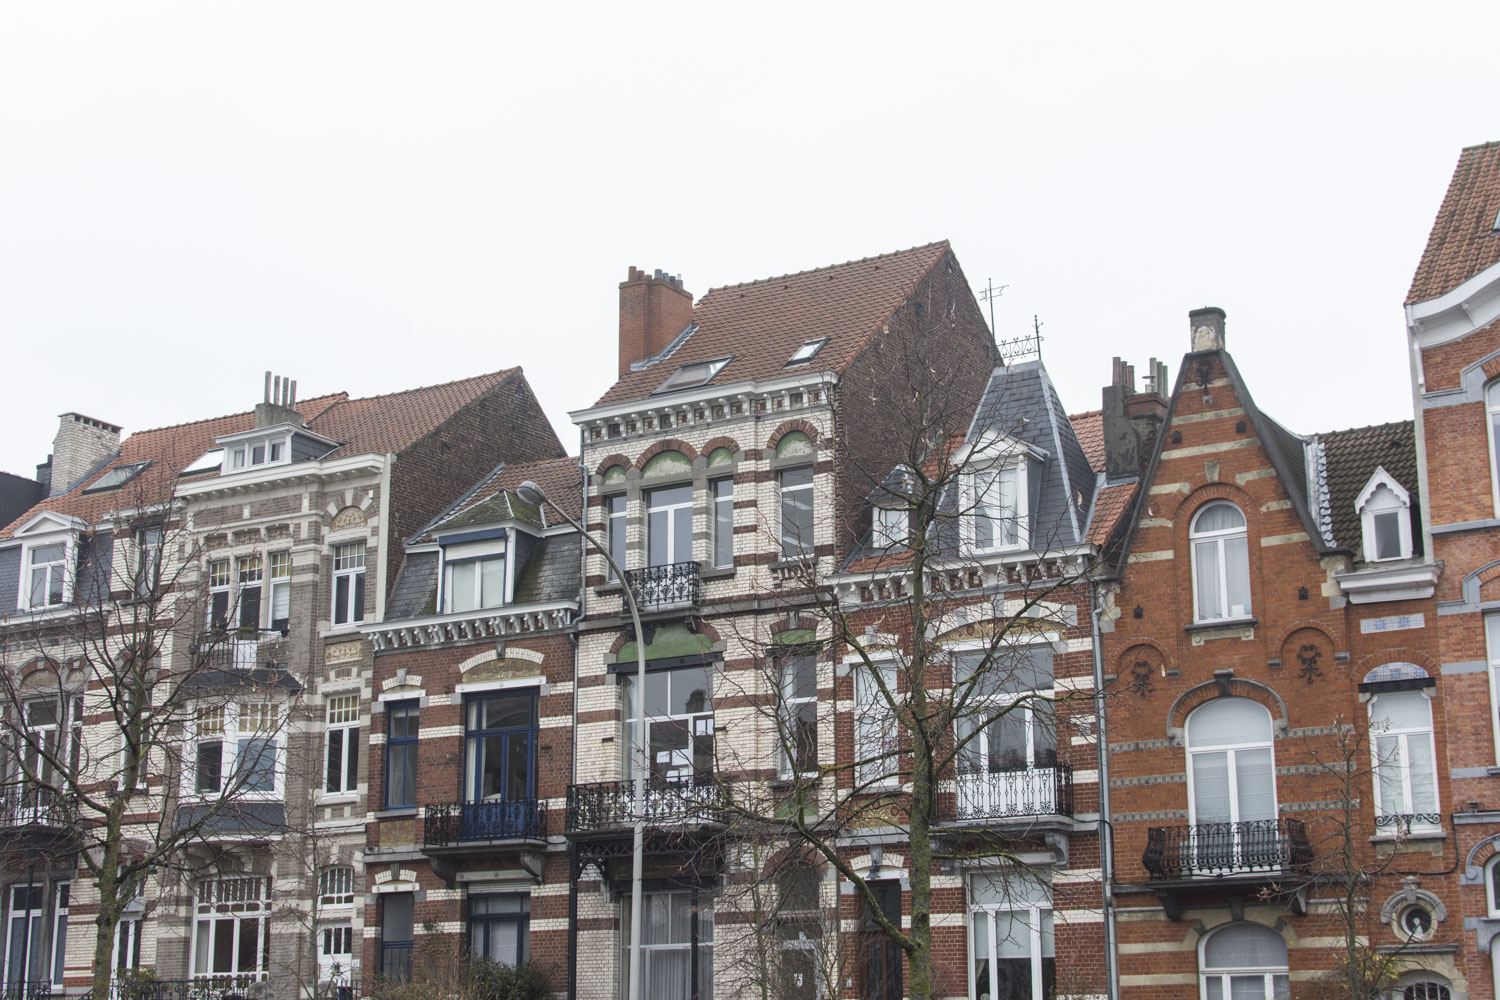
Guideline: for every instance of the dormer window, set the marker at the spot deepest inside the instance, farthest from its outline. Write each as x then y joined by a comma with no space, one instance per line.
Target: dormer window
1385,513
209,461
694,374
993,517
806,352
269,451
474,576
46,575
116,477
890,526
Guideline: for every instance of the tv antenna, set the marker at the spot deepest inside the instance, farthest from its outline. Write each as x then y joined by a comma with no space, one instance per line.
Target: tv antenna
989,294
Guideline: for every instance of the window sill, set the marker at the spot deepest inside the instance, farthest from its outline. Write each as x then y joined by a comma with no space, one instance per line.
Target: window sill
352,628
397,812
719,573
803,561
337,798
1218,623
1414,836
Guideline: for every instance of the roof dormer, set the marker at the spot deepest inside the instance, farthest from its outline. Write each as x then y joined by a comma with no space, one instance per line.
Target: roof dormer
1384,508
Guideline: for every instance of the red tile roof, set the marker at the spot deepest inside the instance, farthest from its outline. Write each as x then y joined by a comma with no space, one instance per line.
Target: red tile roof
560,478
1110,505
761,323
1089,427
1463,240
374,424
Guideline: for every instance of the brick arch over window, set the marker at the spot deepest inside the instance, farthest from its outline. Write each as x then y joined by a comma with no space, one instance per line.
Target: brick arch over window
1141,666
702,628
1479,858
1225,687
610,462
1395,654
42,665
1187,505
1287,633
787,428
1287,931
669,444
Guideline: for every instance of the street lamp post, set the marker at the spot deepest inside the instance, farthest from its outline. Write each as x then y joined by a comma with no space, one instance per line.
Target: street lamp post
532,493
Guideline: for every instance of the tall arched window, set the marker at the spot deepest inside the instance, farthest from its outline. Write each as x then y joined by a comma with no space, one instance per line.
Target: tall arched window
1244,961
1232,788
1221,563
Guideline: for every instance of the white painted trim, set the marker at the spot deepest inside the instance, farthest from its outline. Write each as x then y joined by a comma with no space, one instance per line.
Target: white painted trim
704,394
476,687
1458,312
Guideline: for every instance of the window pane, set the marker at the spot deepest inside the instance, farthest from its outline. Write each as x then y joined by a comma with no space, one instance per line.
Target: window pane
461,584
658,538
1423,775
1245,946
1211,787
1388,535
1229,720
340,600
1254,784
396,917
1400,710
1218,517
1237,573
1206,580
335,764
492,583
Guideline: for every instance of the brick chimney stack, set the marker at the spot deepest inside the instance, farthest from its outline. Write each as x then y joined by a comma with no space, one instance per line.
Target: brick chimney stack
1207,325
1131,419
654,309
280,403
82,445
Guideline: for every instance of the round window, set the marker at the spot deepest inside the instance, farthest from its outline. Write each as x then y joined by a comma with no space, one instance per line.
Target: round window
1416,921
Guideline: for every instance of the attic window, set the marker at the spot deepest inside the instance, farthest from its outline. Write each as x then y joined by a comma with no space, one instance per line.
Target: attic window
209,461
806,351
116,477
1385,514
694,374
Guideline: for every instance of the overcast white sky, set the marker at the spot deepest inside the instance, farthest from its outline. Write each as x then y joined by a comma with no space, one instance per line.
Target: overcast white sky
369,197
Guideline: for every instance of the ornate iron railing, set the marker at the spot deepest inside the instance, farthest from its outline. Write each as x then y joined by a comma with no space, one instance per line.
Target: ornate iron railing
249,986
664,586
29,990
1401,824
610,805
239,649
1218,849
21,806
1027,791
463,822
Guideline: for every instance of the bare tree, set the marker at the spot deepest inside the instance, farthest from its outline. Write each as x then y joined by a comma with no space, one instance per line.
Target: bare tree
139,728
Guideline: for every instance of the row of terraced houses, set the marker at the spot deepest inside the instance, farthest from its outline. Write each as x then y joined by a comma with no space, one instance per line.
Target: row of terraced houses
1156,700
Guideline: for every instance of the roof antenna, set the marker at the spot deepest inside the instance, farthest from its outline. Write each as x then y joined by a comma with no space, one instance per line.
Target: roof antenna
989,294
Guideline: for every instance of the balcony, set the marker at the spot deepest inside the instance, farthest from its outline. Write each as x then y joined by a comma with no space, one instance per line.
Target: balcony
222,987
241,650
32,807
456,824
1019,793
1224,850
609,806
670,586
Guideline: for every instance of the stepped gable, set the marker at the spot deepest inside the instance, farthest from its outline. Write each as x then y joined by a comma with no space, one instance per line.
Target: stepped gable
1464,238
761,323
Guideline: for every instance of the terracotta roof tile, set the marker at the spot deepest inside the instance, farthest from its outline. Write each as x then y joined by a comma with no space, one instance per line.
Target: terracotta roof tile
761,323
393,422
1089,427
1110,505
1464,240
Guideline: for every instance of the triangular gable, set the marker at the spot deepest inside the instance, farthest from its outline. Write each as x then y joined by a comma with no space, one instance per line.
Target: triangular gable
46,521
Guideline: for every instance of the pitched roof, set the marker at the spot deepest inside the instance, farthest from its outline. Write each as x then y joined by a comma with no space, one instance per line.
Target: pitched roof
1111,504
494,499
168,449
1464,240
1089,427
761,323
1352,456
373,424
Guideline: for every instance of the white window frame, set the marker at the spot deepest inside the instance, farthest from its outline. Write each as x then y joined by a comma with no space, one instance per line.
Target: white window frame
61,896
1398,505
1268,987
673,512
1423,738
890,526
1034,914
790,703
874,724
1491,414
807,546
240,907
59,567
148,560
341,715
616,538
218,574
240,455
974,506
345,568
37,918
1491,890
1231,752
1220,538
279,572
249,574
978,703
701,724
477,554
720,520
224,719
1492,653
331,967
705,918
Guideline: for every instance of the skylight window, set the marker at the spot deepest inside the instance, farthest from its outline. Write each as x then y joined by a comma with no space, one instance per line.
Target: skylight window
116,477
806,351
694,374
208,462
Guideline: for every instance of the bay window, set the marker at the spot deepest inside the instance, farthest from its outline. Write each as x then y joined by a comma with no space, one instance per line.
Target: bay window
237,748
1007,758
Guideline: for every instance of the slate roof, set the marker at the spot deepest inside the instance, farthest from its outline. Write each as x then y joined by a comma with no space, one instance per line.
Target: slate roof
1352,456
1089,429
373,424
1463,240
761,323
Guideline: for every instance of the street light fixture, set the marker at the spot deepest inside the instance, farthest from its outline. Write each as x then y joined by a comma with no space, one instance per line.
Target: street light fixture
534,494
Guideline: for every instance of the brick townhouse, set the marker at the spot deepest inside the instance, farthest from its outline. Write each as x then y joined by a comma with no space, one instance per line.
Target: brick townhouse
471,740
1453,334
724,467
1017,883
278,532
1277,710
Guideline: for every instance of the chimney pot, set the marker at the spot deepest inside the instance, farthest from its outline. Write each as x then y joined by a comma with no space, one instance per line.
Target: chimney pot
654,309
1207,326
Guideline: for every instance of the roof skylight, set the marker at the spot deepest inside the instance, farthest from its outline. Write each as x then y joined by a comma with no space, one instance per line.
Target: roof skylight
693,374
209,461
806,351
116,477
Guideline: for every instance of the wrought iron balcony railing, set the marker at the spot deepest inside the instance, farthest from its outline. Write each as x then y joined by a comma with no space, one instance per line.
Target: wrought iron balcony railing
664,586
221,987
1017,793
21,806
611,805
468,822
240,649
1402,824
1265,846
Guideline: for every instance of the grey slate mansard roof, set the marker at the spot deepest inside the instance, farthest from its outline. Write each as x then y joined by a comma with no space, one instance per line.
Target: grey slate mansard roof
1020,402
549,568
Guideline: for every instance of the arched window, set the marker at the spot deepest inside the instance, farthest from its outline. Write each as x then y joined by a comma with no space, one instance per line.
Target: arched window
1423,986
1492,886
1232,788
1244,961
1404,757
1221,563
